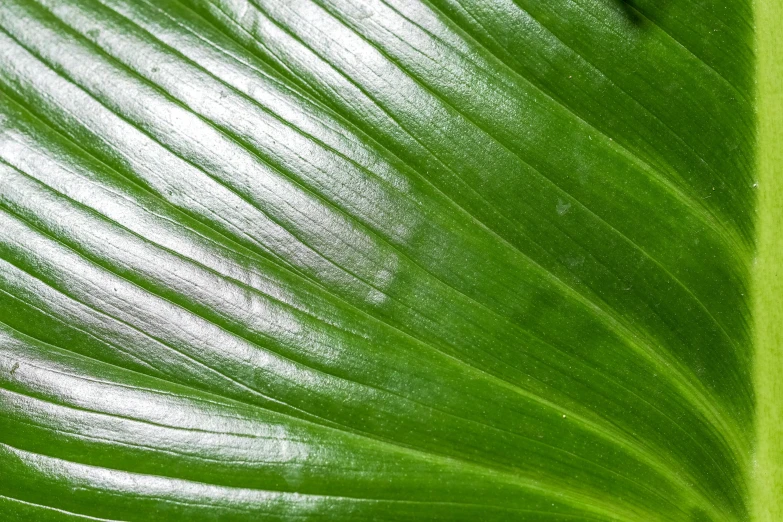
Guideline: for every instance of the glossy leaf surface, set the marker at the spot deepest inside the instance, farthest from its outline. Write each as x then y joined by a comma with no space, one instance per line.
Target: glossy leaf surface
377,260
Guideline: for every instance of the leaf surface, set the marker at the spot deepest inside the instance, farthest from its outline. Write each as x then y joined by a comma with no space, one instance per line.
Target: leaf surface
378,260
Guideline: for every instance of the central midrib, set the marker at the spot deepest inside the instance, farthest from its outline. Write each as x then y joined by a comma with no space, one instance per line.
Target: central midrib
767,469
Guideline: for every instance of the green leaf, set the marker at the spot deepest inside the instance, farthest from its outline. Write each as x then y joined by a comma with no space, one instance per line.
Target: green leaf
391,260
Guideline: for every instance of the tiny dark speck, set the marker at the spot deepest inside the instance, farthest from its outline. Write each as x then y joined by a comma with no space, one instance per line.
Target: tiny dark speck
14,368
93,33
155,69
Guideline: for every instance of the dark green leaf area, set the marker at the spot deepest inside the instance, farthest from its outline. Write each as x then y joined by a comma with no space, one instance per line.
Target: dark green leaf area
386,260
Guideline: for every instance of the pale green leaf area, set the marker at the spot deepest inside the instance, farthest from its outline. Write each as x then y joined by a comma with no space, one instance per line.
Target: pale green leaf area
391,260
